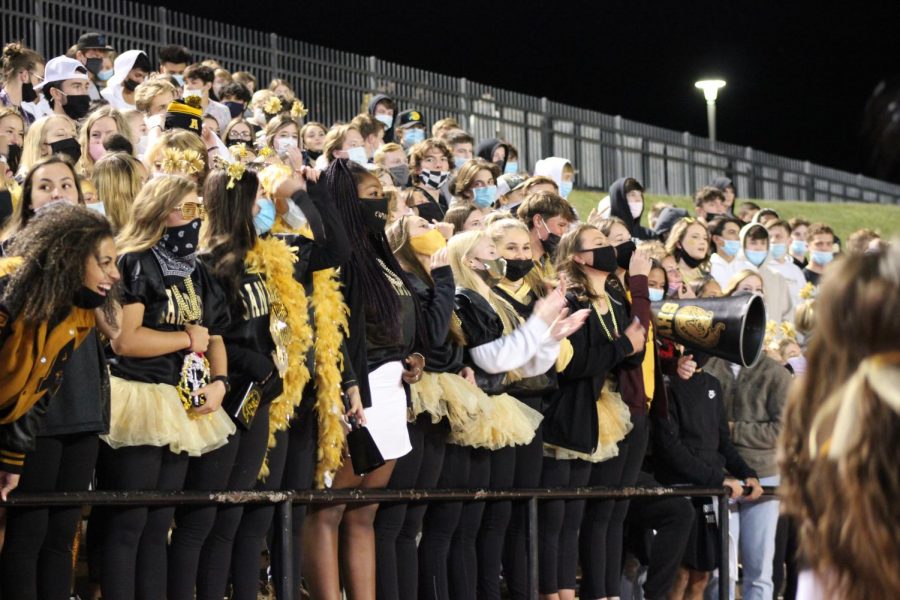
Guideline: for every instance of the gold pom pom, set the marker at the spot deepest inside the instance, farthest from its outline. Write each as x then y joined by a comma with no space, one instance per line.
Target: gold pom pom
235,172
298,111
193,101
171,162
239,151
266,152
191,163
272,106
808,291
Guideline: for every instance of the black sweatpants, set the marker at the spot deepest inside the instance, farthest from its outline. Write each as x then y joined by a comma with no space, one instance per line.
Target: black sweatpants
133,554
603,529
200,548
37,554
529,460
558,525
398,524
494,521
672,519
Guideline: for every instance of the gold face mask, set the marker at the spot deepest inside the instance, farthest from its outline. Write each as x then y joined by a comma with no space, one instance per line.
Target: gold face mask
428,243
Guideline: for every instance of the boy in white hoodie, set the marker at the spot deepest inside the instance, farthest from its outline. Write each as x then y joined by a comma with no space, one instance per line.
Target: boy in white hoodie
558,169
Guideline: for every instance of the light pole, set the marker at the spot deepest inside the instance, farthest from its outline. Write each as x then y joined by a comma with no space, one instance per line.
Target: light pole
710,89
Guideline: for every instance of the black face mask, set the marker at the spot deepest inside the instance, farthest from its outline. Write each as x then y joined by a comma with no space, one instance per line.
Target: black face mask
88,298
130,84
235,142
235,108
13,156
313,154
28,93
688,259
182,240
710,216
68,147
604,259
94,65
517,268
430,211
624,251
6,206
77,106
374,212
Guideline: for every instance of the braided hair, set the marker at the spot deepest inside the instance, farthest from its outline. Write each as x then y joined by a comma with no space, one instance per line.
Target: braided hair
54,247
381,302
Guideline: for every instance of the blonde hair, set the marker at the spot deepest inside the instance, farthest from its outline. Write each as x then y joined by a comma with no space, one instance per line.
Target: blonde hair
277,82
458,249
147,91
278,123
575,275
118,182
334,139
149,212
84,138
179,139
35,139
739,278
310,125
498,229
384,150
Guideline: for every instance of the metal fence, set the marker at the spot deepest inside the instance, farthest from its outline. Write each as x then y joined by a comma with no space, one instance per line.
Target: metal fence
333,84
284,500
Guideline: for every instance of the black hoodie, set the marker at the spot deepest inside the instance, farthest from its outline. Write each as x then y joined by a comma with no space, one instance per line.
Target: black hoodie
388,133
486,149
618,207
722,183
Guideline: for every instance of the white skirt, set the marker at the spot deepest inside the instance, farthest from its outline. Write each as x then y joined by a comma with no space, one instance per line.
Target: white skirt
386,418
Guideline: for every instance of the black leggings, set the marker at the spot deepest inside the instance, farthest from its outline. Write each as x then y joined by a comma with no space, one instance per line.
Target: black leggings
558,524
37,555
463,563
785,568
299,474
440,523
133,546
492,534
418,469
603,529
529,460
195,557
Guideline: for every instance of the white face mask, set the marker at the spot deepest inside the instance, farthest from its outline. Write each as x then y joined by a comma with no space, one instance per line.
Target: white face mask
388,120
141,147
636,209
358,155
294,217
282,144
188,93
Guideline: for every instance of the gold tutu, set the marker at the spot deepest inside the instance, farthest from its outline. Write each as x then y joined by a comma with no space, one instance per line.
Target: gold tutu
151,414
614,419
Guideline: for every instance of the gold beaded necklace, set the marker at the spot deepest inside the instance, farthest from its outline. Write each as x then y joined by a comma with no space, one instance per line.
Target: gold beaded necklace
190,308
612,315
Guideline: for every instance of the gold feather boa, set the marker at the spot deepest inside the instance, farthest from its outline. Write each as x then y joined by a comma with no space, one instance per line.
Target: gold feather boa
330,319
275,260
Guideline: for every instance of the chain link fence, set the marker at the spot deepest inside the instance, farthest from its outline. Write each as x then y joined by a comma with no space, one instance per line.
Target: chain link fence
334,85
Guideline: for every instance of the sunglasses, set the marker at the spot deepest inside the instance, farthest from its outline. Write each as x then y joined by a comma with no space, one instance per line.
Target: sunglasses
191,210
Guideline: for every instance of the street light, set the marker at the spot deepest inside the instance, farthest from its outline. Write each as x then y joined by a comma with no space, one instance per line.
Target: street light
710,89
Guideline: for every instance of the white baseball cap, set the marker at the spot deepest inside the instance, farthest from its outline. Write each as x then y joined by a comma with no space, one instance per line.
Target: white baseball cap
62,68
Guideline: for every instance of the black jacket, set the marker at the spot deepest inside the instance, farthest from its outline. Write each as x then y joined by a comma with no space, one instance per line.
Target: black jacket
618,207
443,356
388,133
693,445
486,149
571,418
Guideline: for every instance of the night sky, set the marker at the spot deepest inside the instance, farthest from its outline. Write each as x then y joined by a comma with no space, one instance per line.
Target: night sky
798,74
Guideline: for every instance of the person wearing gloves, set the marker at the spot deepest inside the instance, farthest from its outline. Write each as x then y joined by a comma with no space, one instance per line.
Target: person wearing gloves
383,107
560,170
64,89
131,68
494,151
626,201
410,126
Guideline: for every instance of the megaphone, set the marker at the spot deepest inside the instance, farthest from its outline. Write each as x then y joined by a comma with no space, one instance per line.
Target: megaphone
732,328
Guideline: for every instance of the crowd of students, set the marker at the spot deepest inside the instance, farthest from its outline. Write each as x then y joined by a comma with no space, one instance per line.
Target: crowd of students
202,289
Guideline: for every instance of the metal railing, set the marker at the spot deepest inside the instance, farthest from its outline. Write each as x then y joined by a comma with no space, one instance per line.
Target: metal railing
334,84
284,501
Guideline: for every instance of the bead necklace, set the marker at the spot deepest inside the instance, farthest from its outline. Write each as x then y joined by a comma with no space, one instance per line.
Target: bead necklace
612,315
190,308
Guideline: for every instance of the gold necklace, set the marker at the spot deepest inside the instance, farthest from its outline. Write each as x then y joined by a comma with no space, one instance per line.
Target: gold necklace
612,315
190,308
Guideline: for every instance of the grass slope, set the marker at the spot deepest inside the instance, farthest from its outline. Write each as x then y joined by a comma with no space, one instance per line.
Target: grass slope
844,218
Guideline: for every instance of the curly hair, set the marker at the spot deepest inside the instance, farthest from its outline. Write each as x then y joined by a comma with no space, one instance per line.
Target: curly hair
845,499
55,247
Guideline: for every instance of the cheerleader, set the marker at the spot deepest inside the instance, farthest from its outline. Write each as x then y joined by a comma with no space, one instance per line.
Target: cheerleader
384,343
57,282
420,249
169,377
586,415
500,350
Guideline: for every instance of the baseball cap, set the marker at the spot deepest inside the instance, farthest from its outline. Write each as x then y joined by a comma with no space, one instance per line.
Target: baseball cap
408,118
62,68
93,41
509,183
